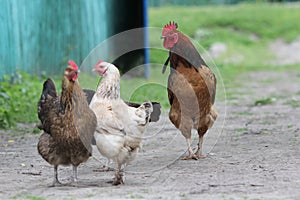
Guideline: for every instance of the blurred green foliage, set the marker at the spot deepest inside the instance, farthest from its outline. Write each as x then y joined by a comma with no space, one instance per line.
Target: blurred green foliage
19,94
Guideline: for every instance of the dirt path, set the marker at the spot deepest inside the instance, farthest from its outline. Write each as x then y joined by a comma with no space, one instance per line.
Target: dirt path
255,157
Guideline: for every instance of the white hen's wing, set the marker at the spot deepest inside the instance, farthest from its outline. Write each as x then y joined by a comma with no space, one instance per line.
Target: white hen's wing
109,135
107,119
111,124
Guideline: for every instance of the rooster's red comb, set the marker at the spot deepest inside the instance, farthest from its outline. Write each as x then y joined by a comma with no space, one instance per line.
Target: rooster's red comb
73,64
170,26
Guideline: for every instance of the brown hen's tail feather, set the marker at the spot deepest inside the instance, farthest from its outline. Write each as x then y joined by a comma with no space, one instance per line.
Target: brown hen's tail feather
89,94
49,88
156,106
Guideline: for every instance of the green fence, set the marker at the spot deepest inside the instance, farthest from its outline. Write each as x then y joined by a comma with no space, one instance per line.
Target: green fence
41,35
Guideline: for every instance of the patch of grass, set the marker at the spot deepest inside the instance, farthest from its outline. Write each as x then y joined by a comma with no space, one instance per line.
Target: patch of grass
265,131
266,101
244,113
27,196
183,196
268,122
36,131
242,129
290,126
237,137
89,195
293,102
135,196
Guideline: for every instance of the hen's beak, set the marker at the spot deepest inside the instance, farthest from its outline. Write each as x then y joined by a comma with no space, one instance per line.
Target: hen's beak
162,37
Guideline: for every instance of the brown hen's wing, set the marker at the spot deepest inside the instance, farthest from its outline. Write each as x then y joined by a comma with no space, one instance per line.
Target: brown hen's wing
210,81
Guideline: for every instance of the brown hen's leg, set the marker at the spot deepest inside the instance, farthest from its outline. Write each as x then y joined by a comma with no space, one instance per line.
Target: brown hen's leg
75,180
199,151
55,180
191,153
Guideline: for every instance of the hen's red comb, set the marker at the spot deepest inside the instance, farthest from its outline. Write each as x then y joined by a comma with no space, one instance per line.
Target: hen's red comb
100,61
73,64
170,26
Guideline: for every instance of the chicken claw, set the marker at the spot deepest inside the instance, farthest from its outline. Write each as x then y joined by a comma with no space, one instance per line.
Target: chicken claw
118,179
200,155
190,156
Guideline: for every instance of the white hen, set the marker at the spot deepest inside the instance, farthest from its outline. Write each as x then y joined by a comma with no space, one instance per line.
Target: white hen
119,127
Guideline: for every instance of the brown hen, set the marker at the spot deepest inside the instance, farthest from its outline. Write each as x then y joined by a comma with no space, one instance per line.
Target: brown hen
68,123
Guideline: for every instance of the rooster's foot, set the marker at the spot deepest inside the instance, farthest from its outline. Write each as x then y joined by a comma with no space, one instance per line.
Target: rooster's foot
190,156
200,155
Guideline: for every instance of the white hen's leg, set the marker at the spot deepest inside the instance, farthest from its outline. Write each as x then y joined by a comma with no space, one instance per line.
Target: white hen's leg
118,179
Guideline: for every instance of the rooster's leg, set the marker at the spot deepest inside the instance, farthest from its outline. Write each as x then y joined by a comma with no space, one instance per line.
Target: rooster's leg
55,180
191,153
75,180
199,151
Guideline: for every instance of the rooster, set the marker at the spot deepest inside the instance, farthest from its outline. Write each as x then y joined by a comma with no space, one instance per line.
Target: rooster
68,123
120,127
191,88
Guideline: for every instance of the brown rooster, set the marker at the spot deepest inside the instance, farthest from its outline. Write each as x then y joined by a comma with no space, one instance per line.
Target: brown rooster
191,88
68,123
